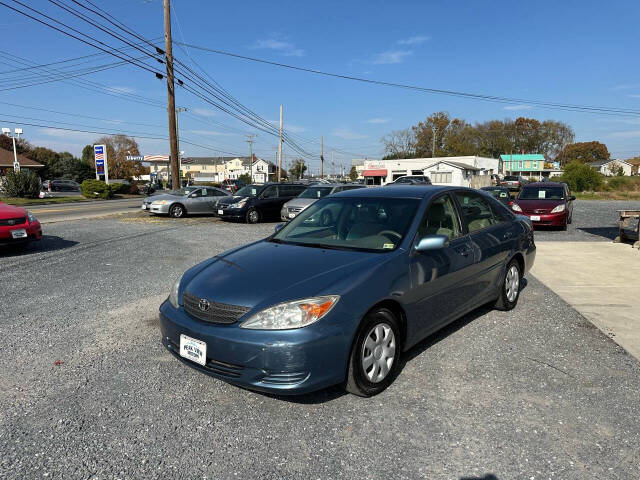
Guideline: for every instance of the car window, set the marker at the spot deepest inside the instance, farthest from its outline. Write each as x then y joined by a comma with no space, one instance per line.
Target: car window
542,193
314,192
295,190
440,219
270,192
476,211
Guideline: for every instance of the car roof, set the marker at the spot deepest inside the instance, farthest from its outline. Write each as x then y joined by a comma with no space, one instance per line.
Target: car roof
397,191
545,184
494,187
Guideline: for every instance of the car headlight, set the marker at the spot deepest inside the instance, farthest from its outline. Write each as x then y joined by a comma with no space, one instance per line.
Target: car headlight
31,217
239,204
558,209
516,208
294,314
159,202
173,295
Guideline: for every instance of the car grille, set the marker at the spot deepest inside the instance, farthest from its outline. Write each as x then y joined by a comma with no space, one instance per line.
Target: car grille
214,366
536,211
13,221
294,209
217,312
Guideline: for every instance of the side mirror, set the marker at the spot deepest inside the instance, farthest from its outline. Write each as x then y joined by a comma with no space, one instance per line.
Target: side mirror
432,242
572,197
279,227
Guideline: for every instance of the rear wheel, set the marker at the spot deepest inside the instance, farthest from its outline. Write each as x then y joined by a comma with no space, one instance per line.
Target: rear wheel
177,211
375,354
510,288
253,216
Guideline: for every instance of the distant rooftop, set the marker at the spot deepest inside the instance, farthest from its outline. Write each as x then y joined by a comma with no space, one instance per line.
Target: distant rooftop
522,156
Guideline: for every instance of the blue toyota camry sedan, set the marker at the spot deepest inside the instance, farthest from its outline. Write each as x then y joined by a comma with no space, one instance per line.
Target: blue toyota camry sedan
337,294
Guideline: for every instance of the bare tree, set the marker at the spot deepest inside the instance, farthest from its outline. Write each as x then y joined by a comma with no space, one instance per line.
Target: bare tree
399,144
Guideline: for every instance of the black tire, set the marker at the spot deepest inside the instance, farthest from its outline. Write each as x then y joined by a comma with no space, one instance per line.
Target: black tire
358,378
506,302
253,216
177,211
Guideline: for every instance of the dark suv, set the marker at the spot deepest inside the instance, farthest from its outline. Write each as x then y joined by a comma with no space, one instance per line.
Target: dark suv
412,180
61,186
255,203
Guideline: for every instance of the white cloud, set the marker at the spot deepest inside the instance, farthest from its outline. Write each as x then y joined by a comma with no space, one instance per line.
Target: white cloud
115,89
517,107
633,96
625,86
415,40
377,120
204,112
391,57
284,47
289,127
212,133
347,134
67,134
627,134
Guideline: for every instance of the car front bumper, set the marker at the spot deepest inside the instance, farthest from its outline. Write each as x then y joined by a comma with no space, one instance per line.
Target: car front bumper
231,213
547,220
285,362
33,230
160,209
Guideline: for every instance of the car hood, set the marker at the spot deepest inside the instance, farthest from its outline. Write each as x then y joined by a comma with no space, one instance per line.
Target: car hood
538,204
301,202
230,199
9,211
165,196
265,273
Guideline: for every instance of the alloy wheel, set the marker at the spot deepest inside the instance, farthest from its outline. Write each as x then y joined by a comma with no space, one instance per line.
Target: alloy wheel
253,216
378,352
176,211
512,283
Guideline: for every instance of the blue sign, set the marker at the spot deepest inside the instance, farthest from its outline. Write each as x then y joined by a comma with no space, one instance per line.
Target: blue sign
98,151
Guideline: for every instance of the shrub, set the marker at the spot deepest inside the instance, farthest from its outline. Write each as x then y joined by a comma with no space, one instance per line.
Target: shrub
208,184
21,184
581,177
623,184
96,189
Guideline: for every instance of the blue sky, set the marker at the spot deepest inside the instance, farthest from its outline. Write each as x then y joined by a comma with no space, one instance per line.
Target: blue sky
578,52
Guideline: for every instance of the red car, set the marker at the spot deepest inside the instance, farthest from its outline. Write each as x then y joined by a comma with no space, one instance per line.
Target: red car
18,226
545,203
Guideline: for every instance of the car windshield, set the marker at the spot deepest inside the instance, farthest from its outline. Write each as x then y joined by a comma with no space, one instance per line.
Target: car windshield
316,192
342,223
542,193
248,191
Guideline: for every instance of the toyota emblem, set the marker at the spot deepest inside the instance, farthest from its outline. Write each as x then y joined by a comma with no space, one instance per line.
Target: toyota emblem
12,222
204,305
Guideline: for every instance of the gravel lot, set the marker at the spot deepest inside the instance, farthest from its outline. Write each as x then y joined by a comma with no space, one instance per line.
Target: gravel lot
593,221
87,390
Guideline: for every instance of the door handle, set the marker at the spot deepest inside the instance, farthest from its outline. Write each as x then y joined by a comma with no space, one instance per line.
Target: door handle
508,234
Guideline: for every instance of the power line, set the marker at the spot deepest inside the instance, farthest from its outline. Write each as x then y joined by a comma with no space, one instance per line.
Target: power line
490,98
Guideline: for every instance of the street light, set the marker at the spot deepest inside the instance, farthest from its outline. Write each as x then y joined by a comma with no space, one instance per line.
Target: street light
18,132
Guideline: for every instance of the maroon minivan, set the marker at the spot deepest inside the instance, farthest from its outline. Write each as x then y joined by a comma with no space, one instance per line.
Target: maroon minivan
545,203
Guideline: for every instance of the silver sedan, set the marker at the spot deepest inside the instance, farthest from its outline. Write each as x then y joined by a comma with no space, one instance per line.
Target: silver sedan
185,201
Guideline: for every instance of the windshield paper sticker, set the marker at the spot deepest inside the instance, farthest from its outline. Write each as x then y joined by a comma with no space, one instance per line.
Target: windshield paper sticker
542,193
388,245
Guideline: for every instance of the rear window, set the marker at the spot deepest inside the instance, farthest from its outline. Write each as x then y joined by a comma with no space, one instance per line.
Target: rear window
510,178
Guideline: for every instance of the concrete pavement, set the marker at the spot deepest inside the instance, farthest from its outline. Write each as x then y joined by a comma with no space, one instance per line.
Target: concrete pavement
80,210
601,280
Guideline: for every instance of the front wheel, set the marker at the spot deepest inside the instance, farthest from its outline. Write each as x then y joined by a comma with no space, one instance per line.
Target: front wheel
177,211
375,354
253,216
510,288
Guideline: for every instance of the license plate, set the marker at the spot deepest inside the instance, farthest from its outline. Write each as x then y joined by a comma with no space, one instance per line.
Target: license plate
144,207
535,218
219,212
192,349
22,233
292,215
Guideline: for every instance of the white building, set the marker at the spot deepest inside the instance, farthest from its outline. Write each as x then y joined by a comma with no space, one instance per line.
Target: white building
455,171
611,167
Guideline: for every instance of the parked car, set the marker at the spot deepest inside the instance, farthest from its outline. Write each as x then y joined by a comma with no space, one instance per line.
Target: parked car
185,201
18,226
315,305
60,186
232,185
311,195
513,182
411,180
255,203
502,194
147,188
546,203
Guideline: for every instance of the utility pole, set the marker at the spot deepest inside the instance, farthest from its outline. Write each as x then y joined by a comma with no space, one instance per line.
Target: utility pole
250,141
280,147
332,163
433,148
322,157
179,110
171,97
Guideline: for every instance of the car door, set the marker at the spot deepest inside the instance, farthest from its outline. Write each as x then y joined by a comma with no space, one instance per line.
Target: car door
492,235
268,202
196,201
441,286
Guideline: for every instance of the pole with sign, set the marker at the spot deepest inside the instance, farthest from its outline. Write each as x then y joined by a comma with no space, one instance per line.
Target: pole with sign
100,154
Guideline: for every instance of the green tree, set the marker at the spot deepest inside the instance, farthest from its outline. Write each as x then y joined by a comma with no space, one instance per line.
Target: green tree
353,173
581,177
584,152
245,178
298,169
22,146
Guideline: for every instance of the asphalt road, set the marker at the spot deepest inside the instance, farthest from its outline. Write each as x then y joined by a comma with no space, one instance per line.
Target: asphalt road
87,390
80,210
